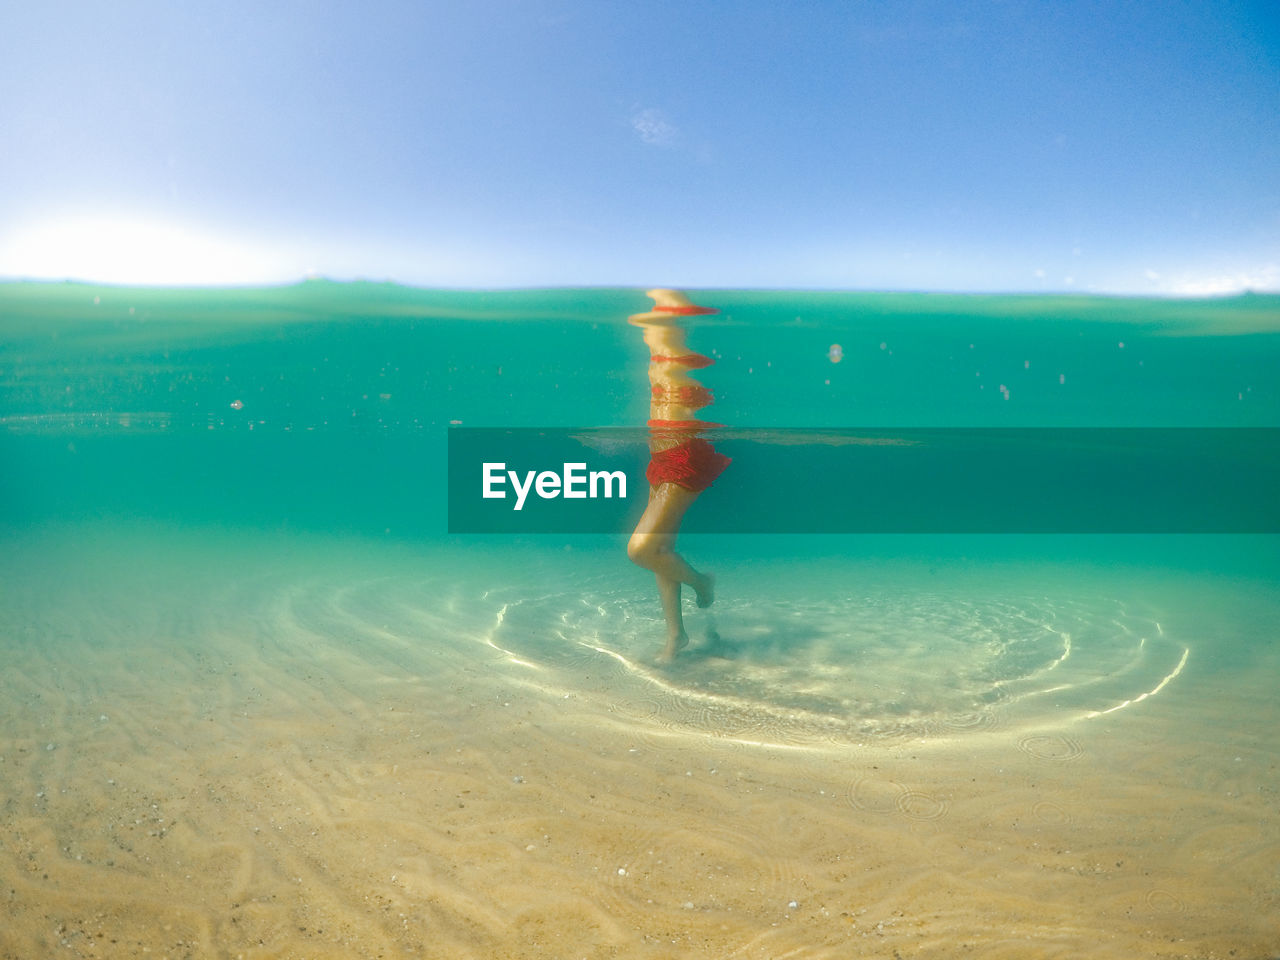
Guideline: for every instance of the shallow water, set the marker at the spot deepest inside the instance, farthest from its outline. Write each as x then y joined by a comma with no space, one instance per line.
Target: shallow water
258,702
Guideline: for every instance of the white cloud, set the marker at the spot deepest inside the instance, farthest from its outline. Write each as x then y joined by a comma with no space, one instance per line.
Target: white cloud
1264,279
132,251
653,127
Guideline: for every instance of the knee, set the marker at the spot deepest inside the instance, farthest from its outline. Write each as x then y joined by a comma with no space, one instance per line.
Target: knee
641,550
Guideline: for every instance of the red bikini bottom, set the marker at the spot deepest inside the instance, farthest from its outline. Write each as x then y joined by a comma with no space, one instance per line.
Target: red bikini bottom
692,464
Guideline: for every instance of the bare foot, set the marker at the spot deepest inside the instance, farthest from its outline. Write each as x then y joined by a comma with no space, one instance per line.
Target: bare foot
705,589
674,645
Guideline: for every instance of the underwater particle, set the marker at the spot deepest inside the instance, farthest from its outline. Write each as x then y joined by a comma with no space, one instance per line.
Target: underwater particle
622,871
883,345
1026,364
1121,344
517,779
793,905
1062,378
237,405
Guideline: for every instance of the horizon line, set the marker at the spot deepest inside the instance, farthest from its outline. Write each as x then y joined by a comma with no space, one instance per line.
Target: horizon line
518,288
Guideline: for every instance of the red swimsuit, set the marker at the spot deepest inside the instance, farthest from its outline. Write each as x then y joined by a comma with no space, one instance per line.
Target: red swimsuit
693,464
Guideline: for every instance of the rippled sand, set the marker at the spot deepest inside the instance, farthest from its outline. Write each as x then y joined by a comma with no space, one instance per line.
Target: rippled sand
218,746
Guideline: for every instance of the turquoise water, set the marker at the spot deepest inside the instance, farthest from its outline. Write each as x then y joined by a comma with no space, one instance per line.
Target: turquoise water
182,466
358,383
323,408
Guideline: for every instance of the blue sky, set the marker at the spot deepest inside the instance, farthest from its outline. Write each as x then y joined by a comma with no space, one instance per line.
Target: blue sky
1006,146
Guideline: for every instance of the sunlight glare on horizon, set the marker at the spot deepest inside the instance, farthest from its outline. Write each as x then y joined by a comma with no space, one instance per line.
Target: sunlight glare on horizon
138,252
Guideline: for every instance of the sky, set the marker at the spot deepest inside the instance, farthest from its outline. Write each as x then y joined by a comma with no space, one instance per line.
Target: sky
938,145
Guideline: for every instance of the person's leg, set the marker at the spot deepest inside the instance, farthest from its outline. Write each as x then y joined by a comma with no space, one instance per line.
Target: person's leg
677,639
652,546
654,551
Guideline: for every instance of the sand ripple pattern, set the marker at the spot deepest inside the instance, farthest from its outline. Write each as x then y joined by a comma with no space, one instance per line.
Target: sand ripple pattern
294,753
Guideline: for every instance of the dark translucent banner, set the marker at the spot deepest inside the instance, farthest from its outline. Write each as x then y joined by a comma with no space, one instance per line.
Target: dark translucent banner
1053,480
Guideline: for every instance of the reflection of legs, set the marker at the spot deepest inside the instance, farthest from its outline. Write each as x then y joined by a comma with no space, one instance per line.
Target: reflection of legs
652,546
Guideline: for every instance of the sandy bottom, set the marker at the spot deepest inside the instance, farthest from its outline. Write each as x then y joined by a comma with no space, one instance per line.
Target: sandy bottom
217,746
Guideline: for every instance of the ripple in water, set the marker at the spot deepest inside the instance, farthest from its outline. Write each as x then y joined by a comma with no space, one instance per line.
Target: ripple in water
1046,811
871,795
1051,747
856,667
800,670
922,806
1164,902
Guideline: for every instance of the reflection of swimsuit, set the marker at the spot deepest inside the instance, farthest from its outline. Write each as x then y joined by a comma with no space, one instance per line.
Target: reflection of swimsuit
690,461
688,311
692,397
693,464
694,361
683,426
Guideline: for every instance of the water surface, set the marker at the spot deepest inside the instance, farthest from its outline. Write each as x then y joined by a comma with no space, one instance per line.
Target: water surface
257,701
